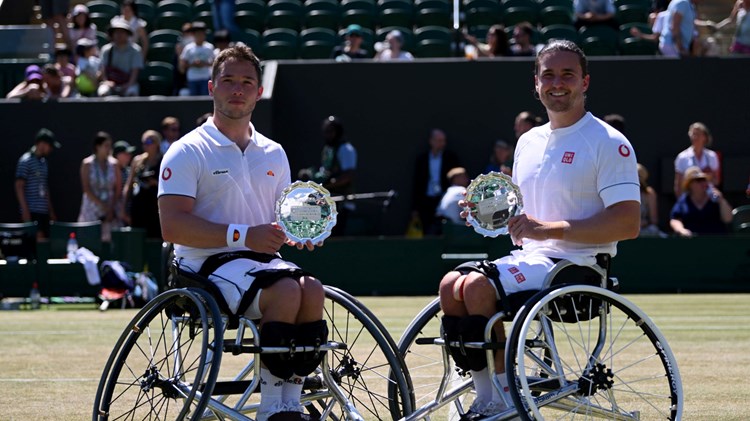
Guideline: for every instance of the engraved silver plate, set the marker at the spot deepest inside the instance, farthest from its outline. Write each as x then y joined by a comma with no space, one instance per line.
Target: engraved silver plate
306,212
493,199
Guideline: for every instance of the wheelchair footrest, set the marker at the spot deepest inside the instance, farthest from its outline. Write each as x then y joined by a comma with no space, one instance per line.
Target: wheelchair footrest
247,347
238,387
475,345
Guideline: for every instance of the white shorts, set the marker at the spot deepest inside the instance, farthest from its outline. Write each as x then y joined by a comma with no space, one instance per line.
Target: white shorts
522,271
234,278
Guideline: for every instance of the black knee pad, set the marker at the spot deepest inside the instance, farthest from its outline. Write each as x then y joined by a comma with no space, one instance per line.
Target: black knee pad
471,329
451,333
275,334
309,334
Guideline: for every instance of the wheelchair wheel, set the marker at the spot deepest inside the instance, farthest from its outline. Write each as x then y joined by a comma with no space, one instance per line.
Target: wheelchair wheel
426,366
164,365
368,368
582,352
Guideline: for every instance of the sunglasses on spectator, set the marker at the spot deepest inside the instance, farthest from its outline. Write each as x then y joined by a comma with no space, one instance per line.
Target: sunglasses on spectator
149,141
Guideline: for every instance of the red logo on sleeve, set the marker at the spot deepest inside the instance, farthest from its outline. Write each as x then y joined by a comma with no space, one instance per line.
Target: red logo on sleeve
513,270
624,151
568,157
269,172
166,174
520,278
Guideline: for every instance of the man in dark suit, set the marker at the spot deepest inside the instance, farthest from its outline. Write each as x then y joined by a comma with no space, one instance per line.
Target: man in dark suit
431,181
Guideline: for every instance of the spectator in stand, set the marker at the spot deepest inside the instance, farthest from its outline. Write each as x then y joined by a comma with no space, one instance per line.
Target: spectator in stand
170,132
63,63
658,19
88,70
55,85
180,82
121,62
196,60
501,159
525,121
142,186
102,185
677,35
520,43
649,207
741,39
352,47
81,26
615,120
223,14
32,186
31,88
697,155
702,209
590,12
55,16
431,180
448,208
138,34
497,42
123,151
394,41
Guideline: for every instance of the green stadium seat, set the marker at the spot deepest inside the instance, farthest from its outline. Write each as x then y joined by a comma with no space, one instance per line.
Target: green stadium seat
516,14
146,11
598,40
317,43
201,6
643,3
101,20
164,35
105,7
249,19
322,14
249,37
628,13
258,6
482,12
284,14
183,7
279,44
396,13
406,33
559,32
480,32
433,13
157,78
632,46
172,20
359,12
206,17
102,39
551,15
433,41
161,51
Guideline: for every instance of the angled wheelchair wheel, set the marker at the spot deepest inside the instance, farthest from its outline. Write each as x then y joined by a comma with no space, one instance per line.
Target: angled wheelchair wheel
164,365
367,369
430,369
582,352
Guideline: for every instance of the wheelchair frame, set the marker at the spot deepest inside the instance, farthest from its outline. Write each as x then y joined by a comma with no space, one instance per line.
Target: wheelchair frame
186,377
554,367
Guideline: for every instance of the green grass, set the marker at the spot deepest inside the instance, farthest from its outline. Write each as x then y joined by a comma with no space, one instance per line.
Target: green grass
51,360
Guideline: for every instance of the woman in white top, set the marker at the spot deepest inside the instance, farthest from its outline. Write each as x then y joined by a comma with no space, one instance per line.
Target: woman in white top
393,51
739,15
81,25
101,184
697,155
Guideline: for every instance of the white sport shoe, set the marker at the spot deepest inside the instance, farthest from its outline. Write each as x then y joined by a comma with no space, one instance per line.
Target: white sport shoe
480,410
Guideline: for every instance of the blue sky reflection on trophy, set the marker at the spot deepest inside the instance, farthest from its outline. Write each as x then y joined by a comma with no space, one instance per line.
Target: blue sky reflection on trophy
306,212
493,199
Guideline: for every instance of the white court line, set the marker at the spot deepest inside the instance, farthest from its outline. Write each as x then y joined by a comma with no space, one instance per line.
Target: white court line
37,380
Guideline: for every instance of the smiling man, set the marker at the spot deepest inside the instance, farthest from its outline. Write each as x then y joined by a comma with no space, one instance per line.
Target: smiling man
579,181
218,186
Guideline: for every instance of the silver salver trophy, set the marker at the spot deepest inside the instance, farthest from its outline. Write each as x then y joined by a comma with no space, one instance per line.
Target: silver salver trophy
493,199
306,212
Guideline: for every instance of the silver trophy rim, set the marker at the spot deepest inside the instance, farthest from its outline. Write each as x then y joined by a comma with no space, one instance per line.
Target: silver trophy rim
326,196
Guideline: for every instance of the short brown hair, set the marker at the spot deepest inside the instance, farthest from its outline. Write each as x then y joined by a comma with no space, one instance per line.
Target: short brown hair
237,52
563,45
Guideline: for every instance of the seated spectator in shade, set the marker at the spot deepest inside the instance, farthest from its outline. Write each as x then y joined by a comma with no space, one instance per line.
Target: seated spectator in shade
352,46
55,85
81,25
31,88
121,62
697,155
588,12
702,209
520,43
394,41
739,16
448,207
63,63
138,34
196,60
497,42
501,159
525,121
87,72
649,207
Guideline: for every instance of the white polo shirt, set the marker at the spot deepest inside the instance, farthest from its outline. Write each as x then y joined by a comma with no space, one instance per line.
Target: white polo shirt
709,161
573,173
229,186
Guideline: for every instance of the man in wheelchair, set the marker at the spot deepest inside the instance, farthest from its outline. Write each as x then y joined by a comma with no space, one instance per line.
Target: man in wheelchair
579,182
217,191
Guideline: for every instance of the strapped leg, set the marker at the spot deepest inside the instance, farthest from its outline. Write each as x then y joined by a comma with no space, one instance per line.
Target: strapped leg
310,334
471,329
451,333
276,334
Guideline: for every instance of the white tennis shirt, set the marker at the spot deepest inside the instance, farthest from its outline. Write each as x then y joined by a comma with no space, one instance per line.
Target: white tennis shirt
573,173
229,186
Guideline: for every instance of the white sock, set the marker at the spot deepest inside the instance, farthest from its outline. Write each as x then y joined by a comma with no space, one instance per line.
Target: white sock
482,385
506,392
292,389
270,394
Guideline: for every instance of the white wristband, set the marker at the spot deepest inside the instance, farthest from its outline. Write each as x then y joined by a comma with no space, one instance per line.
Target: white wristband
236,234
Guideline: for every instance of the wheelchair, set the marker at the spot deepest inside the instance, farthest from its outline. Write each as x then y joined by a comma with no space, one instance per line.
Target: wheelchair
575,350
168,363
